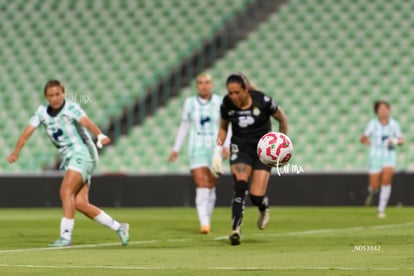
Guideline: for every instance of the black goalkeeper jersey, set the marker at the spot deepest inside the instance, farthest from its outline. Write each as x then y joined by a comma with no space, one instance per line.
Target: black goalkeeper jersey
250,124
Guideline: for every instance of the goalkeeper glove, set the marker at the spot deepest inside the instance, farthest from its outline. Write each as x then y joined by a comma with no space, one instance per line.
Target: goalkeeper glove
217,165
100,137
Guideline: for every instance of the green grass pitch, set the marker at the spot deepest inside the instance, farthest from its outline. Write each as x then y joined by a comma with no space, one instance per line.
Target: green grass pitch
165,241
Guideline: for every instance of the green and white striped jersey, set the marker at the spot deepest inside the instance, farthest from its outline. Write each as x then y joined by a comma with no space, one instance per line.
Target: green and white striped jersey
64,129
203,118
380,135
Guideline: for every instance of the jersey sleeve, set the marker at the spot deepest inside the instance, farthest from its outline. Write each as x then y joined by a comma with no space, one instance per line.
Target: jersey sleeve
76,112
369,129
397,130
184,126
185,115
35,120
270,105
224,110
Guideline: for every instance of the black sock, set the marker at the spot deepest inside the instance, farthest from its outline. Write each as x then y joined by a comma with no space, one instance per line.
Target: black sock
262,202
238,202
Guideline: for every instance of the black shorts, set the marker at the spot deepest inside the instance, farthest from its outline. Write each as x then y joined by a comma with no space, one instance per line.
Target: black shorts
245,152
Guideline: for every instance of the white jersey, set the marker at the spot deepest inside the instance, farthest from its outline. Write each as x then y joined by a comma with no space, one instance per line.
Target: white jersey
203,118
380,135
64,129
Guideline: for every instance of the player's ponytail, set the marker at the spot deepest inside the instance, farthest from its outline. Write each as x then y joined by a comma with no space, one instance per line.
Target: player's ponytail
53,83
250,85
241,79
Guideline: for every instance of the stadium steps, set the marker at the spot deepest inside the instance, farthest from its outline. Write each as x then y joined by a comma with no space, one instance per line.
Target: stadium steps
105,51
325,62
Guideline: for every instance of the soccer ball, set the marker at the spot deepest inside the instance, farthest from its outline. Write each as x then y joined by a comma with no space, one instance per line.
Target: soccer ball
274,149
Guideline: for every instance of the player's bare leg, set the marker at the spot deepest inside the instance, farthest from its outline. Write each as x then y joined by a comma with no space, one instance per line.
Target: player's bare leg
386,180
258,196
71,184
374,183
205,196
91,211
241,173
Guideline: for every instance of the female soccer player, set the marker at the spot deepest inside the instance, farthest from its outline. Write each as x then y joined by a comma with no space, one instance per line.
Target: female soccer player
249,112
382,134
201,115
66,125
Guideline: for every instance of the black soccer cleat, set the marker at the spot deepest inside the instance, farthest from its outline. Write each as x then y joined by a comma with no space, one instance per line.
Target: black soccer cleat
235,237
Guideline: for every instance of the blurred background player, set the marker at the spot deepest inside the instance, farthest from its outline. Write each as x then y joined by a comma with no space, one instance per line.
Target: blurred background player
66,125
382,134
201,115
249,112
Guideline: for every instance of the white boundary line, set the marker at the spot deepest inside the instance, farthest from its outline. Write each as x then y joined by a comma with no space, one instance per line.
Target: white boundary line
73,246
281,268
282,234
328,230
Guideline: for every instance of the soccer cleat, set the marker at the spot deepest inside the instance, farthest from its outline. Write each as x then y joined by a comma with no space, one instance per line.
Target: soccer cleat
369,199
123,233
205,229
263,219
235,237
61,242
381,215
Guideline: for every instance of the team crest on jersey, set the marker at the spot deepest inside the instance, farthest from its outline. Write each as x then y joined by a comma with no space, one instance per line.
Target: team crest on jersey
256,111
266,98
231,113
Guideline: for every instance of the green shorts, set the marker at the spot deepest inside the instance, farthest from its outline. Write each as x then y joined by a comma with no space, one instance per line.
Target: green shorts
376,164
201,157
81,162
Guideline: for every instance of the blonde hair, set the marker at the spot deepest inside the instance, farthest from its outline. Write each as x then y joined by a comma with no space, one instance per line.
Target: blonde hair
205,75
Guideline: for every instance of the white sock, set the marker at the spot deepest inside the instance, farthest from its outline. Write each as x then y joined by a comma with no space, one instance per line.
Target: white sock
66,228
211,203
201,200
383,197
106,220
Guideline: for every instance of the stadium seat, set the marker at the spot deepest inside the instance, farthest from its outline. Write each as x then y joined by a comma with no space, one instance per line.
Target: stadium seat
325,62
107,53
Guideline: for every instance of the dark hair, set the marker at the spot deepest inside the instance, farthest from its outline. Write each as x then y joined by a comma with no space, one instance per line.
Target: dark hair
380,102
241,79
53,83
237,78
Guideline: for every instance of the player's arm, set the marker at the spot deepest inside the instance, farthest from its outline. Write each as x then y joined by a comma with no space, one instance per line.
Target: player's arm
182,130
281,117
102,138
182,133
225,153
364,140
217,165
24,137
398,139
222,133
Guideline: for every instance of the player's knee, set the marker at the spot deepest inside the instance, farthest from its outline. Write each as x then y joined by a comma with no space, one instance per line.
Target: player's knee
65,193
81,205
240,189
258,200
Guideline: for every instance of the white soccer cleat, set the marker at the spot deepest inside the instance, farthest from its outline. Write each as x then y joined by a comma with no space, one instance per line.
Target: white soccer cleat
61,242
264,218
123,233
382,215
